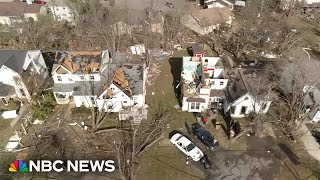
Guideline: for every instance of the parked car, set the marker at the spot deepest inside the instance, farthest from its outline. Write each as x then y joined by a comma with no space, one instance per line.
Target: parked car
205,136
40,2
316,134
186,146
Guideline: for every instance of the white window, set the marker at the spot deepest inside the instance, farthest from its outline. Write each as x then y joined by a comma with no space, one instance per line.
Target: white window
221,82
195,106
92,78
59,78
82,77
192,105
125,102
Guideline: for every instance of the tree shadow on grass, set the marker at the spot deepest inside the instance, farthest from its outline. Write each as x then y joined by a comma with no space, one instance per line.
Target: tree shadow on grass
290,154
176,68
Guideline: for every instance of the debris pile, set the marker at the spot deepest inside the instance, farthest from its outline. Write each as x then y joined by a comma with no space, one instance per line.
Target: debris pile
153,73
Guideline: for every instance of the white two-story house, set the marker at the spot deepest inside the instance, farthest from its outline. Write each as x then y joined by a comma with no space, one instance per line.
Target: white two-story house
77,76
92,79
21,74
203,83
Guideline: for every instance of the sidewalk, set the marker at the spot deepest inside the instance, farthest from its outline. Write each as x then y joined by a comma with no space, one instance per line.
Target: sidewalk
309,142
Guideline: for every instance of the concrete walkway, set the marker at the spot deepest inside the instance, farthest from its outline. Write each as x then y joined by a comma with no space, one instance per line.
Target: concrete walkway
309,142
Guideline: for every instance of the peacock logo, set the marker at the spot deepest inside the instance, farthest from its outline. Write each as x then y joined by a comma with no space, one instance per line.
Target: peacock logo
18,166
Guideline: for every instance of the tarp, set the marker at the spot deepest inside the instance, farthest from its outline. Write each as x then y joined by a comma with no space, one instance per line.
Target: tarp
9,114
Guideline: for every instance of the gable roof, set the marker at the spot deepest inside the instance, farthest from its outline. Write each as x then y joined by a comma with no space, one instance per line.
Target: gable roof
237,87
18,8
13,59
129,78
134,74
195,99
248,81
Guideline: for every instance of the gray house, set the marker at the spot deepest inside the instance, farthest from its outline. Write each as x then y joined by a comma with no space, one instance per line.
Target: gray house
21,74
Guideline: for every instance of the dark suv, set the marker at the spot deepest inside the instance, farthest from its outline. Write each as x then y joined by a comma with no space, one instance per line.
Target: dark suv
205,136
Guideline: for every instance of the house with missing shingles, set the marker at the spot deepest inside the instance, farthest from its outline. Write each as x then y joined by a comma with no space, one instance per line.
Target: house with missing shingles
21,74
204,21
247,93
16,11
94,79
77,76
202,83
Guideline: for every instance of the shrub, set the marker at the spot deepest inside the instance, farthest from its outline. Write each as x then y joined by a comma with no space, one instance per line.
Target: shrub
45,108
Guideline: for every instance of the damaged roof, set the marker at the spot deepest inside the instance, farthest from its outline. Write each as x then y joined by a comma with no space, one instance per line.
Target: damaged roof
79,61
129,78
18,8
13,59
134,74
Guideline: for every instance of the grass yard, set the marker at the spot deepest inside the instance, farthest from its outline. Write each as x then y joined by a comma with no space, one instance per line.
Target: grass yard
5,158
165,93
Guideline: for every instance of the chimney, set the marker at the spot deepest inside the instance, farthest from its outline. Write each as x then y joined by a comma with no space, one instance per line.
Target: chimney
30,1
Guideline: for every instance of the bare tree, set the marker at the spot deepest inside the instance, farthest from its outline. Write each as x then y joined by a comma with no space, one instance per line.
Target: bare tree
47,145
258,28
134,140
295,79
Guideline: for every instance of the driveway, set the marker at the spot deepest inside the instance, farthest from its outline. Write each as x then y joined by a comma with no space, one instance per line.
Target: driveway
258,161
